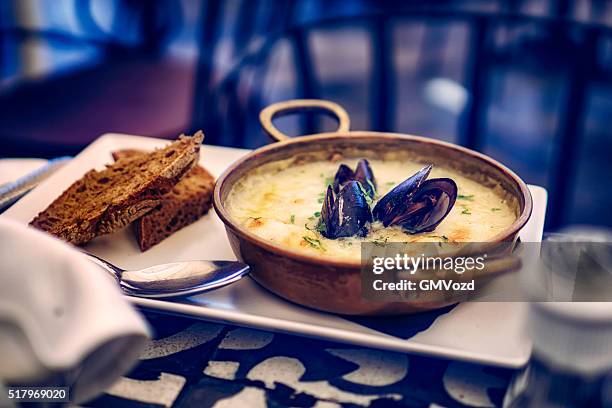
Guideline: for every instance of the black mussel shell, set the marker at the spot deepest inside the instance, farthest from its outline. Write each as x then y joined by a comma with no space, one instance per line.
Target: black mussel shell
343,176
428,206
395,203
348,215
363,173
327,210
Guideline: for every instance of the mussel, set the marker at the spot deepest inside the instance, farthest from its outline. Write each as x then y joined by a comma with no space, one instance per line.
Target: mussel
417,204
363,174
347,213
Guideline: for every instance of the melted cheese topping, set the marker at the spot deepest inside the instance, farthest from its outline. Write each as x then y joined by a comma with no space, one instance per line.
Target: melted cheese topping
283,205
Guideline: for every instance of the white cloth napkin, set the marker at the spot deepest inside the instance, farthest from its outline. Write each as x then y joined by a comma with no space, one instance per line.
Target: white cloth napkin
61,316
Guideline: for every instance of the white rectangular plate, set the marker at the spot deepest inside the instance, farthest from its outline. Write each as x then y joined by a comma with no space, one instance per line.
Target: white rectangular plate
490,333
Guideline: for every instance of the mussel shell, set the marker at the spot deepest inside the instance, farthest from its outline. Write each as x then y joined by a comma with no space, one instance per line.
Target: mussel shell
327,210
429,206
349,215
363,173
394,204
343,175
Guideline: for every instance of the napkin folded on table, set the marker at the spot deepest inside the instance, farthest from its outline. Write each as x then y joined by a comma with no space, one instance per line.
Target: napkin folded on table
62,319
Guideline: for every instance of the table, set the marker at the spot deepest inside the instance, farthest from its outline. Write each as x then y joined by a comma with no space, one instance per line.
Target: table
195,363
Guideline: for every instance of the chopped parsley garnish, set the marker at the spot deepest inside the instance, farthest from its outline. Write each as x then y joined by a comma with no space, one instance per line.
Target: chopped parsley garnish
495,209
372,185
469,197
329,181
365,193
391,183
315,243
321,227
442,237
317,214
466,211
292,218
380,241
344,242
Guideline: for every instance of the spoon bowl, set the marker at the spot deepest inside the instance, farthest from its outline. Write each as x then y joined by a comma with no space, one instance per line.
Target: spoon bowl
175,279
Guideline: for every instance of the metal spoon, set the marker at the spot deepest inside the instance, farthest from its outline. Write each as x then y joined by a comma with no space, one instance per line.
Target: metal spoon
176,279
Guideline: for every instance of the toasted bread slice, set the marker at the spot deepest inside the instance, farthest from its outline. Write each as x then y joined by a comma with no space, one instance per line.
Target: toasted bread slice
188,200
104,201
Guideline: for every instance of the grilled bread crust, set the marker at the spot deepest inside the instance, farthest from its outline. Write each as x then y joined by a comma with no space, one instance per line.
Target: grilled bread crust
186,203
104,201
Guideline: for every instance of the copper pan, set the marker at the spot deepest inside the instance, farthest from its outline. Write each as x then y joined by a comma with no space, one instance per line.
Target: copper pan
335,285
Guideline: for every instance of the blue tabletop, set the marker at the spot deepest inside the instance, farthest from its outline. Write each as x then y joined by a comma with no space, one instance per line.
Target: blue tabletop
194,363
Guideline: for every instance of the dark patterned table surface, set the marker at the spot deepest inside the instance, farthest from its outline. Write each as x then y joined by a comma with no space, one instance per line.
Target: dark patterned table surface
195,363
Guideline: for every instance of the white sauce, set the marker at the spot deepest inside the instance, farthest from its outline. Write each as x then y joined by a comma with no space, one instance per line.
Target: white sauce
279,204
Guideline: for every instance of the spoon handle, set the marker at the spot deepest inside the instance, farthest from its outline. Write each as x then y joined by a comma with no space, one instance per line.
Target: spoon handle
107,266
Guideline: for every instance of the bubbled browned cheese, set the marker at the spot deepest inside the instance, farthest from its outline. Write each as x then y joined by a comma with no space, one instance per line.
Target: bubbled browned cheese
282,203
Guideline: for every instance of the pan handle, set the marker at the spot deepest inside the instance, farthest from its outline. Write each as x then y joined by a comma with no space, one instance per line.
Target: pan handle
295,105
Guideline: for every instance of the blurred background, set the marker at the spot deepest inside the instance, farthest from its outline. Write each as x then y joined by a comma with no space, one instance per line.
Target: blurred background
527,82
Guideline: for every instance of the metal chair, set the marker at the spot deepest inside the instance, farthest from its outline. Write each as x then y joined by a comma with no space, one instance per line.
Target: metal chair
529,43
